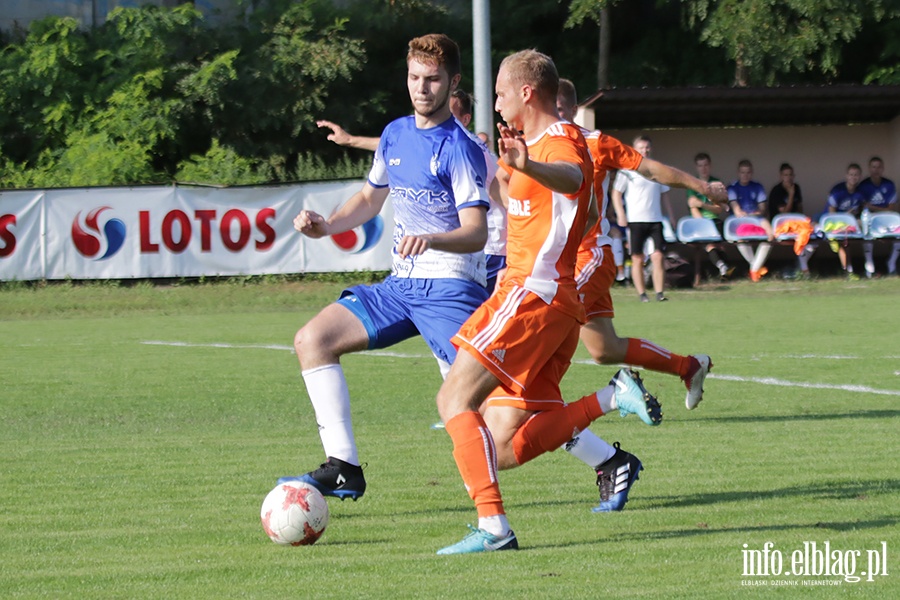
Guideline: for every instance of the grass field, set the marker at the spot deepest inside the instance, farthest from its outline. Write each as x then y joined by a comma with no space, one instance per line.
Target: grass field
142,426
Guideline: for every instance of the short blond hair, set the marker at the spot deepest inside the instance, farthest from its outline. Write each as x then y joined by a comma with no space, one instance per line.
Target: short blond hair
530,67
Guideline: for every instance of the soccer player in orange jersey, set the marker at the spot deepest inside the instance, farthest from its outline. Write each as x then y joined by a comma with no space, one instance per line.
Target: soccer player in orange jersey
595,275
516,347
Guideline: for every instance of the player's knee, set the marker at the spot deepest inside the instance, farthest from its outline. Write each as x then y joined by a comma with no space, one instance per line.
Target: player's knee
447,409
307,342
300,344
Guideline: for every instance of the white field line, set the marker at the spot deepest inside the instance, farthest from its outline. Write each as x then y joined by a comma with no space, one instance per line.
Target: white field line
862,389
218,345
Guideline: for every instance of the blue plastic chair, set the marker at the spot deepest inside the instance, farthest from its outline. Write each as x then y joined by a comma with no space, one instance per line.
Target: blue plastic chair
850,230
696,230
884,225
731,229
668,232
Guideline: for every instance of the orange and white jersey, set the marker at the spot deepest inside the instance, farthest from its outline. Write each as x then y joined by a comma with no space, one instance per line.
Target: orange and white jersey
608,154
546,227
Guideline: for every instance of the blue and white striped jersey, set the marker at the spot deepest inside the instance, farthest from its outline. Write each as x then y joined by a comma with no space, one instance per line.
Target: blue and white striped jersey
432,174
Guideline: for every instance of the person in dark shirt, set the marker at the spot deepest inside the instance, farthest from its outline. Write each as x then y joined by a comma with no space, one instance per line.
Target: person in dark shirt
785,196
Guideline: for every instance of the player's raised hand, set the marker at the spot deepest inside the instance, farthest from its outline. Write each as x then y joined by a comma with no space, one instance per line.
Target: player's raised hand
717,191
338,135
512,147
413,245
311,224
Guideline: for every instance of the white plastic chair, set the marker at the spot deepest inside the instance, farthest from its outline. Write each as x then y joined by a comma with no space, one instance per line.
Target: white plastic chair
884,225
695,230
668,232
850,229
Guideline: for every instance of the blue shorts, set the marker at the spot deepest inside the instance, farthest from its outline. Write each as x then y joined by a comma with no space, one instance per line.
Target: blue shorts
399,308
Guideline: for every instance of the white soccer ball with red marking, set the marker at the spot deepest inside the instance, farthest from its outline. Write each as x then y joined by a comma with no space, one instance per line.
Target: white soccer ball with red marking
294,514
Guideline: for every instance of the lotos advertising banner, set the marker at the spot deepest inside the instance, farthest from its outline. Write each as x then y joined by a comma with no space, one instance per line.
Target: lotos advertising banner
22,235
180,231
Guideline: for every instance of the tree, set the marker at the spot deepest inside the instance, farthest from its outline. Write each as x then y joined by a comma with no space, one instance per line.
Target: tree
153,91
884,68
766,39
597,11
43,87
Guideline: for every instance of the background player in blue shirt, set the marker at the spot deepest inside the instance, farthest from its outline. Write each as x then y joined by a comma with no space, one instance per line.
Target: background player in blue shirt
434,174
748,199
881,195
847,197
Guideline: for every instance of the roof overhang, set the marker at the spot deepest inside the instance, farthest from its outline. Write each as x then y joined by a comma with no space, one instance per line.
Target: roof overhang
637,108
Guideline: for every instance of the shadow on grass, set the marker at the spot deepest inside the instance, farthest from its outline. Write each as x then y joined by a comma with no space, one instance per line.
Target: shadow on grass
862,414
703,529
831,490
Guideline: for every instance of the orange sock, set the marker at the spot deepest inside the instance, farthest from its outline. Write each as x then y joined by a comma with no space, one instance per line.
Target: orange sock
476,459
648,355
548,430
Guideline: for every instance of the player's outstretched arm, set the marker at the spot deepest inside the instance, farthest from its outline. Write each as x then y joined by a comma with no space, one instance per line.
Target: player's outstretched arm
361,207
341,137
560,176
666,175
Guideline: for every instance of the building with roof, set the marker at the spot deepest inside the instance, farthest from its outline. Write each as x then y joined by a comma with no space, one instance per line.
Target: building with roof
818,129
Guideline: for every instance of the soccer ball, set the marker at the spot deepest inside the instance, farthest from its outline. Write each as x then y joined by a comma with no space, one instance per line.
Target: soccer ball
294,513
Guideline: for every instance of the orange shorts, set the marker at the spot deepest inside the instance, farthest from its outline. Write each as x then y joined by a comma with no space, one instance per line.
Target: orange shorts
595,272
525,343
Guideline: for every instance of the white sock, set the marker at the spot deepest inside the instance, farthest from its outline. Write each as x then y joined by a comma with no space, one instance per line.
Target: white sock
746,251
589,449
892,261
497,525
330,397
762,253
868,251
618,252
607,399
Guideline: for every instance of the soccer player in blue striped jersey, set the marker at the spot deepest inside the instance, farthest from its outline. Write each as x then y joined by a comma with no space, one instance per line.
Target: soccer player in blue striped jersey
434,174
881,195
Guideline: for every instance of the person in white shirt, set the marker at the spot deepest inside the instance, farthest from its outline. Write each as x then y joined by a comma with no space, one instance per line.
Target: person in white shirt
638,203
